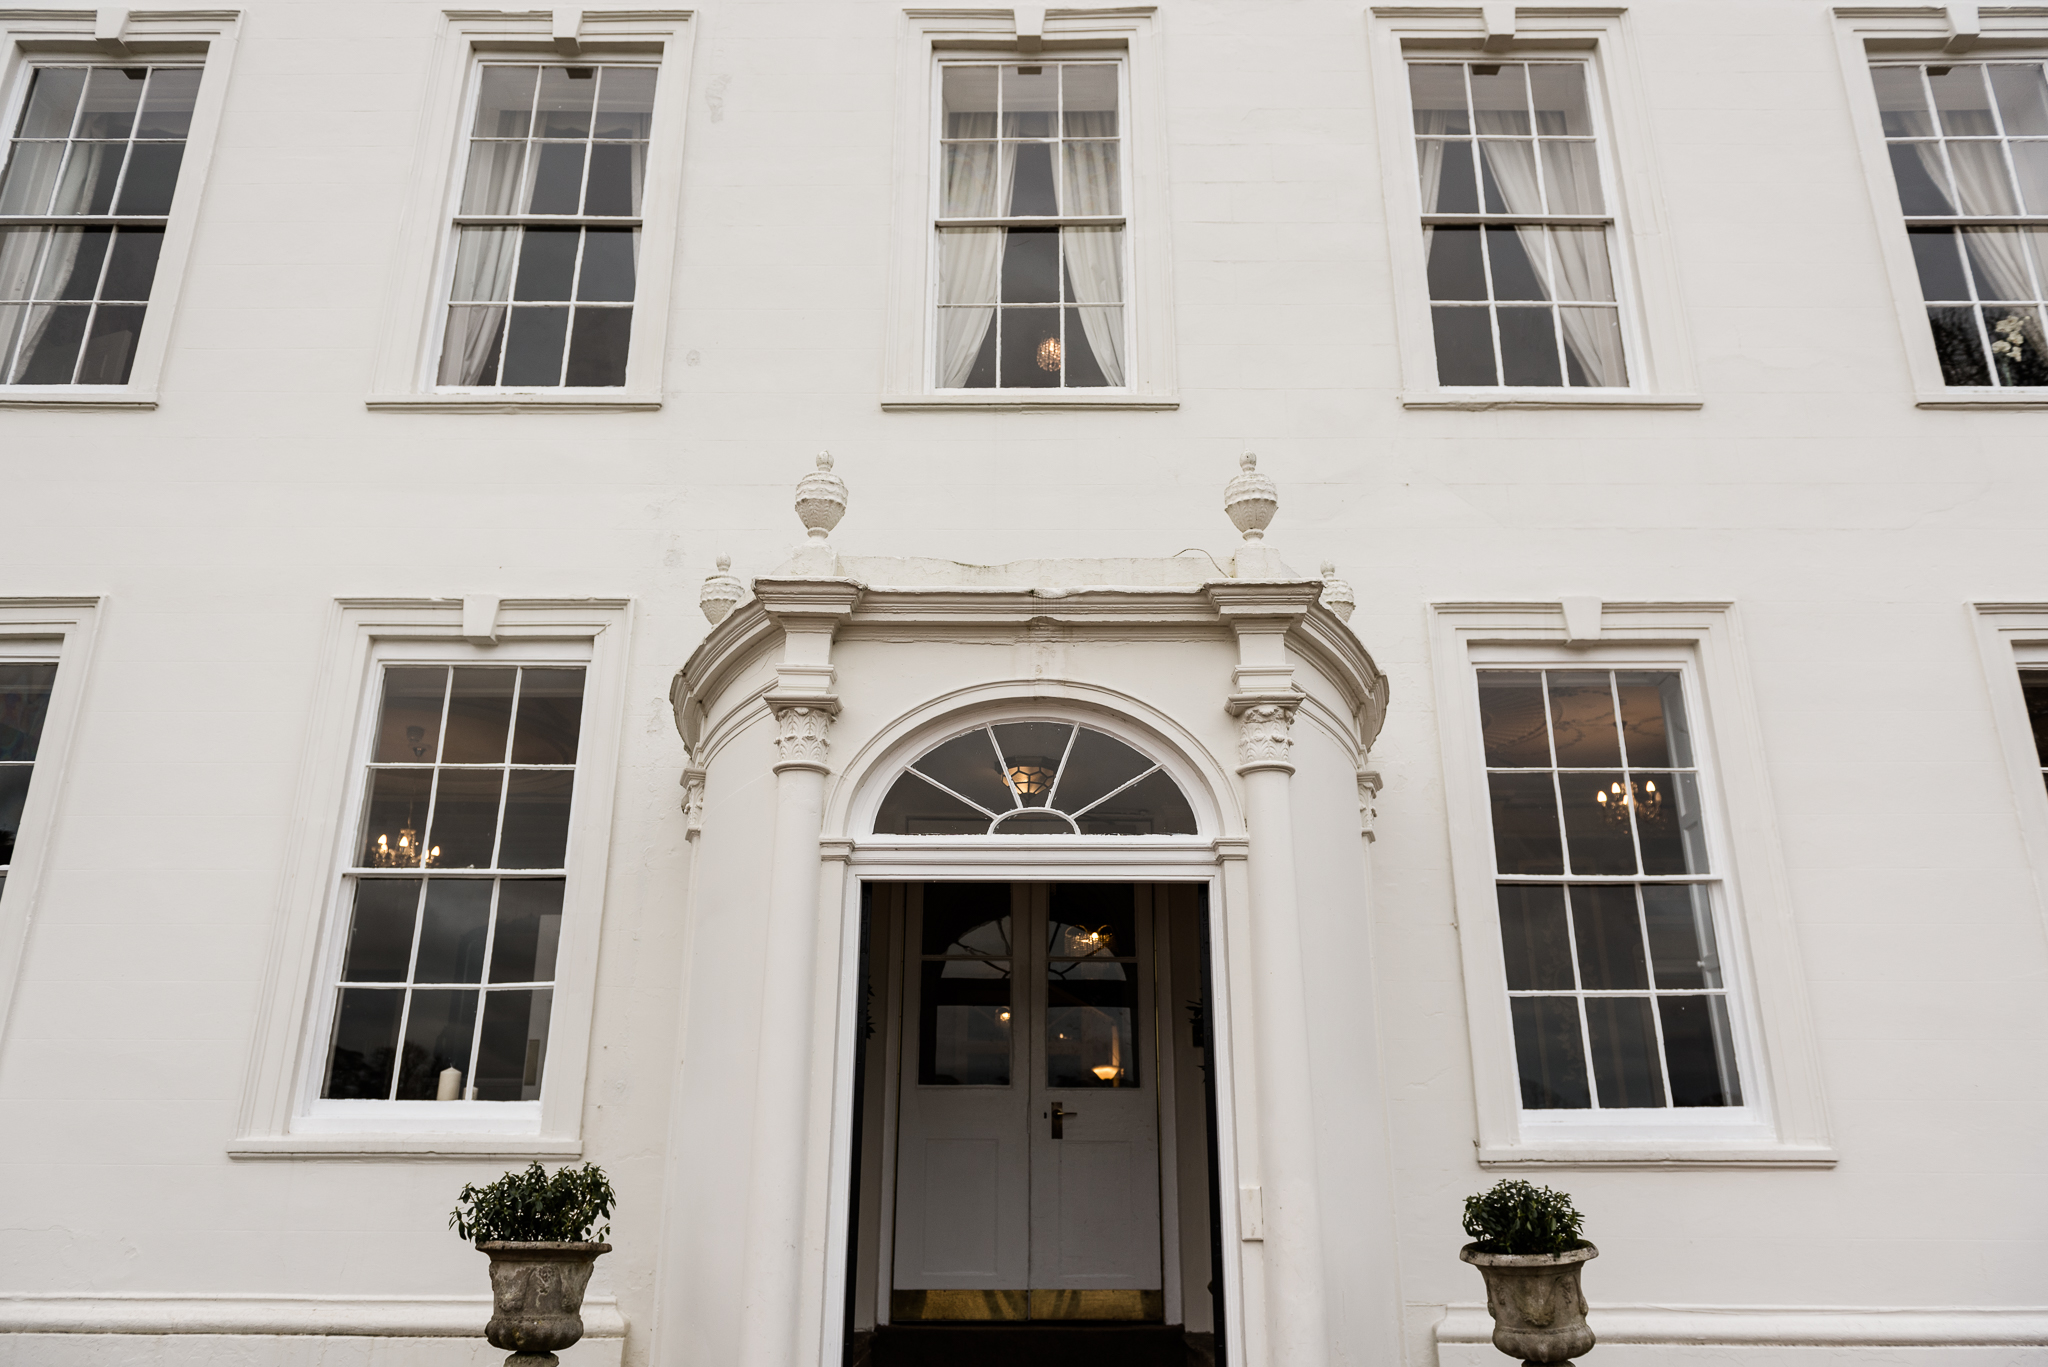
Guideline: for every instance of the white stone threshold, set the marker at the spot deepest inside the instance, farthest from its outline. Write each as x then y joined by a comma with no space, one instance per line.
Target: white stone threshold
344,1316
1794,1326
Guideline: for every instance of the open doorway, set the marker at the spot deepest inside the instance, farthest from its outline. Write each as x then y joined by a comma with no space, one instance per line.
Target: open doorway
1034,1169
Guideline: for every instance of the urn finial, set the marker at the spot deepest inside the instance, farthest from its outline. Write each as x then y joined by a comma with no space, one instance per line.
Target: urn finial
1251,499
721,592
821,499
1336,593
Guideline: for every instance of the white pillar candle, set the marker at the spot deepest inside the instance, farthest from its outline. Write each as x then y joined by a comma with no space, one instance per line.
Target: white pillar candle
451,1085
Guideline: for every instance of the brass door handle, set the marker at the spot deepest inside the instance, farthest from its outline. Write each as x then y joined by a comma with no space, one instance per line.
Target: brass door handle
1059,1114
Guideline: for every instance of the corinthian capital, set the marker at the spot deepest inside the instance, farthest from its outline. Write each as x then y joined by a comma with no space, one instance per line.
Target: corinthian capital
801,729
1265,733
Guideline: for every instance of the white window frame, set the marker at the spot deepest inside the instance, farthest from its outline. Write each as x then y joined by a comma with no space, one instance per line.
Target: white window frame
206,38
409,350
928,38
1866,35
56,631
283,1114
1782,1122
1654,333
2012,637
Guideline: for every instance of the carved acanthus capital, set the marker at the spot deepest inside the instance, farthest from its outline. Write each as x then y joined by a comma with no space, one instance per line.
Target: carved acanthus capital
1265,733
693,803
801,729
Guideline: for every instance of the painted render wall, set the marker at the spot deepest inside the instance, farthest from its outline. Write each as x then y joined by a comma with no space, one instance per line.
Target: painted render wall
1850,527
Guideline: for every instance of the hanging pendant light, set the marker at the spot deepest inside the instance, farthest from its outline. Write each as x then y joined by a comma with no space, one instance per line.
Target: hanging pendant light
1049,354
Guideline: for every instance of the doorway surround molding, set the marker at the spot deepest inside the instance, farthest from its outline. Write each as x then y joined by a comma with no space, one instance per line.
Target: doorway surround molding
832,677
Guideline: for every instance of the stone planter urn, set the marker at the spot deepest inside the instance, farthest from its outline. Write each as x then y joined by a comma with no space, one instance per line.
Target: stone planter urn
1539,1313
537,1297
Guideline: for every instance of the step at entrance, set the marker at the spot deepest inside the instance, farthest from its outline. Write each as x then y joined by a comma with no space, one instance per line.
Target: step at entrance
988,1345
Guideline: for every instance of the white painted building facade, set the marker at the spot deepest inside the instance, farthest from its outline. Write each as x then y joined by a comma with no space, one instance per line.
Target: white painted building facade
384,385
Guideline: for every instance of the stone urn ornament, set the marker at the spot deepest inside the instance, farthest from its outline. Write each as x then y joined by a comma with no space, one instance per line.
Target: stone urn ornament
543,1235
721,592
1526,1245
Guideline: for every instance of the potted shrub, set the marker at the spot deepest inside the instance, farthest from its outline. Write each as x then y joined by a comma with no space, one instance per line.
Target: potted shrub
1526,1244
544,1235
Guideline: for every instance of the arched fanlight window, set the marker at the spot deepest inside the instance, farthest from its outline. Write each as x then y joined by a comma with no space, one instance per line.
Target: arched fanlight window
1035,778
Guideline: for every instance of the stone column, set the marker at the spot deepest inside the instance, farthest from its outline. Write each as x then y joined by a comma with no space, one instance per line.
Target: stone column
1295,1317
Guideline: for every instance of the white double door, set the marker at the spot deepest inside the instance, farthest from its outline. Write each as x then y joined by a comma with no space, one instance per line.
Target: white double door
1028,1140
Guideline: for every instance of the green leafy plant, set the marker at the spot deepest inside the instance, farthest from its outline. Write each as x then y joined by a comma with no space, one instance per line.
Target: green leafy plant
1515,1217
532,1207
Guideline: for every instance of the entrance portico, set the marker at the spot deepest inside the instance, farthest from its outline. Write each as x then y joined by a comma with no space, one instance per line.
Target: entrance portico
1244,698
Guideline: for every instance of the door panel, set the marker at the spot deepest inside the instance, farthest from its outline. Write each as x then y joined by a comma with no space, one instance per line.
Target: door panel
962,1224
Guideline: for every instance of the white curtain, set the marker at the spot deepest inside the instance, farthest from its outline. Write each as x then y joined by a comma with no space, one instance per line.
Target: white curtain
59,259
1592,336
492,184
1095,255
1429,153
970,259
483,272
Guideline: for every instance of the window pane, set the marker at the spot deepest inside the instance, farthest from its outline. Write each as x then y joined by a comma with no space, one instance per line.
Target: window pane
1668,823
1085,364
167,107
1094,178
1457,270
452,931
1624,1049
1030,97
52,102
1962,100
1596,822
1097,765
1571,178
963,1036
1520,264
1528,347
31,177
513,1047
380,930
533,348
465,818
395,816
968,102
505,102
967,918
1998,262
1922,177
967,765
1701,1050
14,780
2016,345
90,174
1582,719
529,930
1032,751
1500,98
1549,1053
597,348
479,715
1029,178
618,175
409,720
1653,718
112,95
365,1044
1525,838
1438,94
550,716
2033,684
2030,161
1592,347
1610,938
968,177
915,807
1958,346
1902,101
1534,939
152,177
1095,264
1681,926
566,95
1031,266
438,1035
24,707
1448,186
1940,263
536,820
131,270
1559,89
1031,352
72,263
1088,99
1982,185
625,102
491,185
557,178
547,263
1511,720
1154,805
49,344
1507,176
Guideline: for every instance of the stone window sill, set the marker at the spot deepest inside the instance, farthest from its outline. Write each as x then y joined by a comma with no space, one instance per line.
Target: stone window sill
1651,1154
1982,398
995,402
78,399
1489,400
373,1146
584,402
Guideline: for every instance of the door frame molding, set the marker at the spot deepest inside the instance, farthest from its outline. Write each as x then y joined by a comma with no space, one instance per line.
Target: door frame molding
1208,864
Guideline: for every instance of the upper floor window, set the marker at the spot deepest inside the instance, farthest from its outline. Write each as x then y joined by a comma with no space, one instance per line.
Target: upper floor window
1616,980
91,170
1031,240
547,227
455,891
1517,226
1969,153
24,707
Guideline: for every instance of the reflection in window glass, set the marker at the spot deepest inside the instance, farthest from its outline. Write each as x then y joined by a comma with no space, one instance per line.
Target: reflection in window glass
1617,991
964,1001
1091,986
447,970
